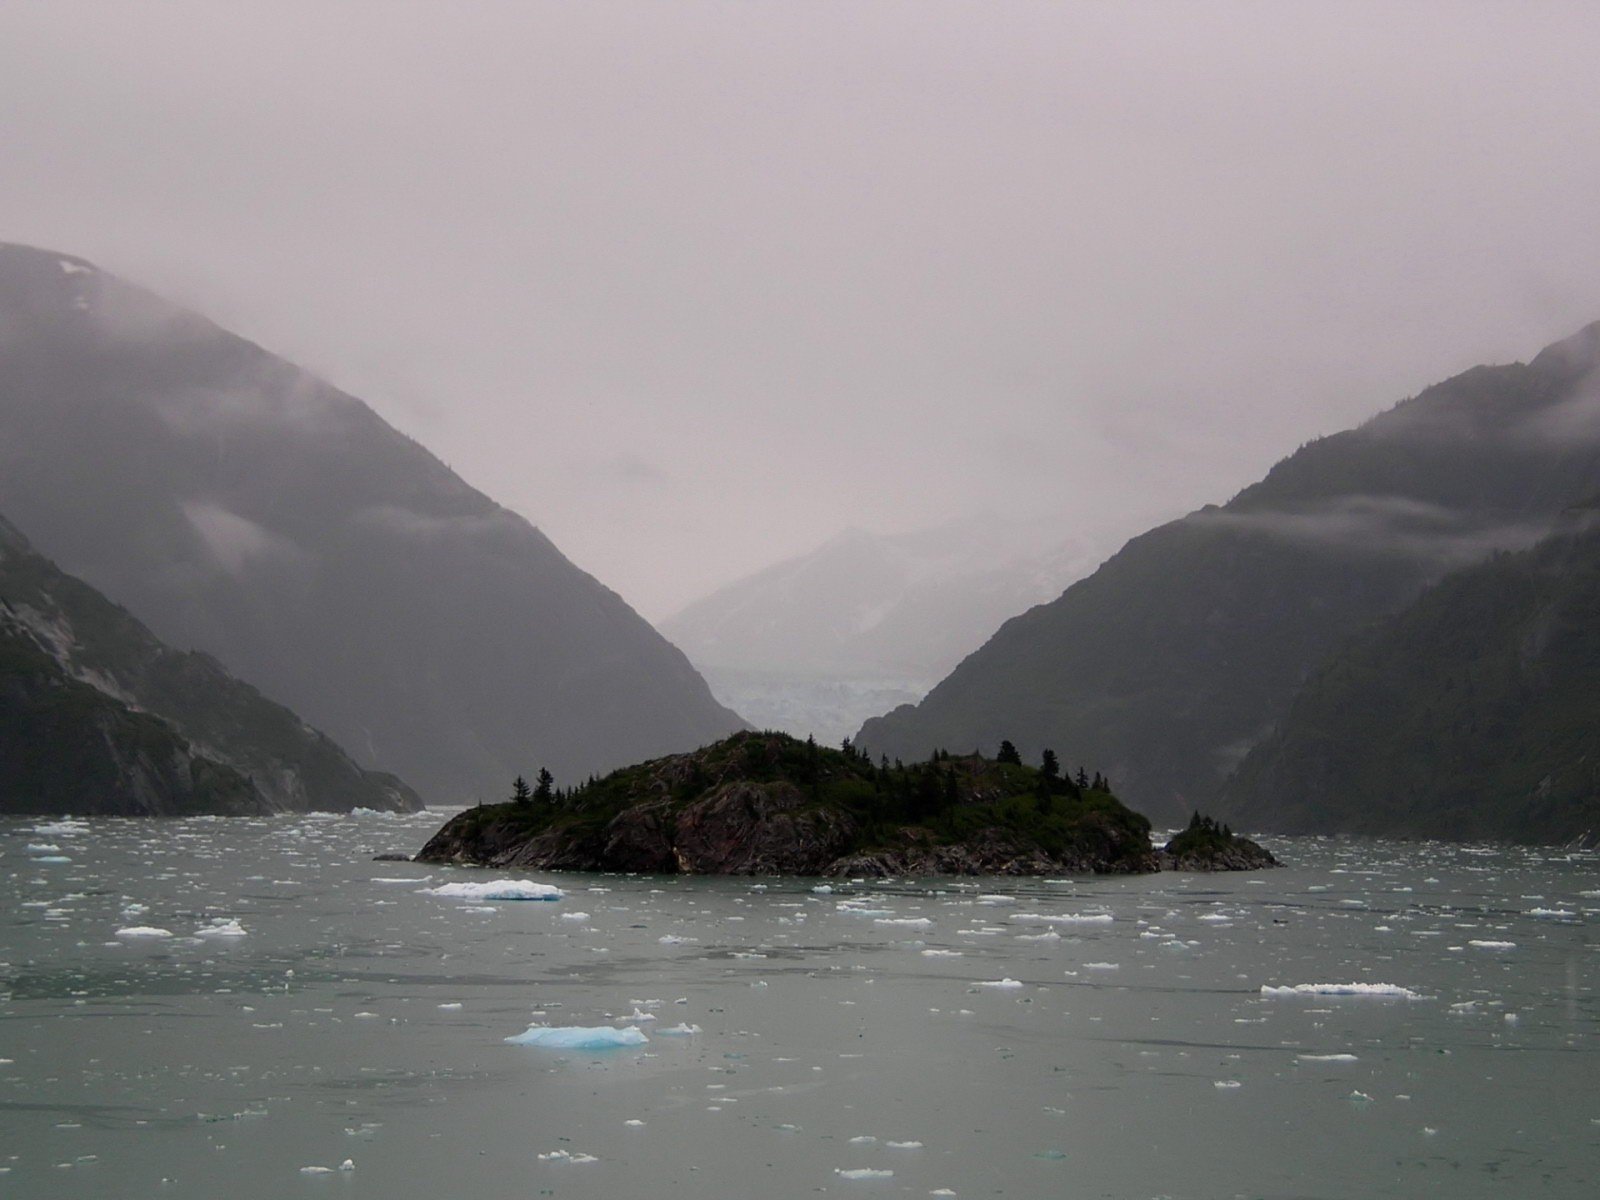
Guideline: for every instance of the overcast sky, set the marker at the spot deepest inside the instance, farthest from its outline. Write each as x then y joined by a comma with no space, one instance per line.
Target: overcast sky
693,286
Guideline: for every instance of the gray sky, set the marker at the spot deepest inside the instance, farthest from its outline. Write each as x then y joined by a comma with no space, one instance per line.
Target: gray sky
695,285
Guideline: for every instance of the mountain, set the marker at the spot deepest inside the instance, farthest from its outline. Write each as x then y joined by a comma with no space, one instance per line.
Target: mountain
1183,650
97,716
1474,713
817,643
239,505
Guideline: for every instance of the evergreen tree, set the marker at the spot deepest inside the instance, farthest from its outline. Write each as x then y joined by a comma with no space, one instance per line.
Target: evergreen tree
1050,766
545,791
519,791
1082,780
1008,754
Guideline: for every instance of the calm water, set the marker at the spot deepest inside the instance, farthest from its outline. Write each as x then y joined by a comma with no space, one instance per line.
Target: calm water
362,1018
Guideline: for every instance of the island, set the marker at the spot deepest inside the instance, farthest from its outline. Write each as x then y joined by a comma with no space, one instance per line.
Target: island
766,803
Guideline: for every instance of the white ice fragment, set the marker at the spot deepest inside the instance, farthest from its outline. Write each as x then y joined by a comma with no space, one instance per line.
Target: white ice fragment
143,931
498,889
1102,966
1226,1084
672,939
1007,982
682,1029
348,1164
579,1037
454,1006
908,922
1485,944
1342,989
862,1173
316,1170
1025,918
221,929
1550,914
904,1145
941,954
575,916
1326,1057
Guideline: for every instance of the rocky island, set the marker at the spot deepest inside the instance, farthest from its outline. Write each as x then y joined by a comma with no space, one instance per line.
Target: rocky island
767,803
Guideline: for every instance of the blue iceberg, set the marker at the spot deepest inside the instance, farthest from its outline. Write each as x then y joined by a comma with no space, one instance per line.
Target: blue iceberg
579,1037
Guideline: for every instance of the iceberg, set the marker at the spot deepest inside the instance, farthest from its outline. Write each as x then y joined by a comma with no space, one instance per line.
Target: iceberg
143,931
1342,989
498,889
1026,918
579,1037
221,929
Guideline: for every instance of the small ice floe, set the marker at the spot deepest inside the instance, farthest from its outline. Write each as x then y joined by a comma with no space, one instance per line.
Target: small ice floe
1485,944
1329,1058
862,1173
907,922
1342,989
1215,916
579,1037
1049,935
1033,918
823,889
865,1139
143,931
903,1145
638,1014
60,828
400,879
1226,1085
996,898
634,1123
575,916
497,889
43,848
221,928
316,1170
1102,966
453,1006
567,1156
1547,914
672,939
1007,982
934,953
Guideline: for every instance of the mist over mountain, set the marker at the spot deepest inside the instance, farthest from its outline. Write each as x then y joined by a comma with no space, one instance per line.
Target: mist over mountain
98,716
1182,651
241,506
1473,713
819,642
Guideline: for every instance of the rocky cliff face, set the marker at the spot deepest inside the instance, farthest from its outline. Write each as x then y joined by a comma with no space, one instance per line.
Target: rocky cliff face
100,716
765,803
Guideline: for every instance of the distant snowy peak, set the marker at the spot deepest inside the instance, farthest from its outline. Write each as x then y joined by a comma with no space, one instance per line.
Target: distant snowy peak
866,605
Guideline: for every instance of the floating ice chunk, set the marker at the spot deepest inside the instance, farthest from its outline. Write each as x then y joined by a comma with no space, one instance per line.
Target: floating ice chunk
51,858
672,939
58,828
579,1037
865,1139
400,879
575,916
1226,1084
996,898
316,1170
862,1173
498,889
1049,935
348,1164
1007,982
638,1014
453,1006
1549,914
221,929
1326,1057
908,922
1485,944
1025,918
941,954
143,931
942,1192
1342,989
634,1123
904,1145
43,848
1102,966
1215,916
823,889
567,1156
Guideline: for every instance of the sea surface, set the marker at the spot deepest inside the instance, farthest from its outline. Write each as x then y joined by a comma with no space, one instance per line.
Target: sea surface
1075,1037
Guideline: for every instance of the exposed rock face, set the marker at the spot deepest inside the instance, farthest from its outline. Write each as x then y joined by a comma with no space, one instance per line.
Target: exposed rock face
1239,855
179,709
760,804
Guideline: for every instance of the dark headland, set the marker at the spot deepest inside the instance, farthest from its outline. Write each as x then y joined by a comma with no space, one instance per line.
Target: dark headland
767,803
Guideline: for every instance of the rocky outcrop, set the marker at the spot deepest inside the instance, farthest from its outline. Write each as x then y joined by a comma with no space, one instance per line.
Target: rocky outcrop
1240,855
766,804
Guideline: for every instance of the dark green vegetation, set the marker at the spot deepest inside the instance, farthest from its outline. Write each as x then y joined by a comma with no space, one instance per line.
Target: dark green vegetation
98,716
767,802
239,505
1186,648
1474,713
